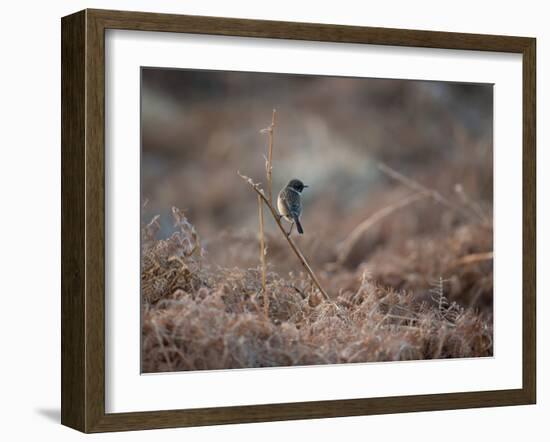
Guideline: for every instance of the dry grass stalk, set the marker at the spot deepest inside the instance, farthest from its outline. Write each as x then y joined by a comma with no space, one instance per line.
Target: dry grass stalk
475,257
351,240
414,185
262,256
269,202
471,204
269,160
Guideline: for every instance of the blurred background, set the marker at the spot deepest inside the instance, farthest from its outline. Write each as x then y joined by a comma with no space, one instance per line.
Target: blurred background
200,127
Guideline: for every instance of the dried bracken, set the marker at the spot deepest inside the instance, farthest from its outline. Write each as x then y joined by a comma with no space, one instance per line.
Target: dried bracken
200,317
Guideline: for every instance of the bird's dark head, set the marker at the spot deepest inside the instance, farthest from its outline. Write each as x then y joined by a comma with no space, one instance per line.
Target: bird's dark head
296,185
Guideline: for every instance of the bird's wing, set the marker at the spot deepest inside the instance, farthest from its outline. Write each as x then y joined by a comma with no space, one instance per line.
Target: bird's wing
292,200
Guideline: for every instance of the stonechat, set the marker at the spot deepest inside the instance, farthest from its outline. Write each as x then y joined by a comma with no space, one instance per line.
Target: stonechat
289,203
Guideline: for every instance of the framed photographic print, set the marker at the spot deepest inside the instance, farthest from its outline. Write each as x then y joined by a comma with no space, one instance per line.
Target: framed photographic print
268,220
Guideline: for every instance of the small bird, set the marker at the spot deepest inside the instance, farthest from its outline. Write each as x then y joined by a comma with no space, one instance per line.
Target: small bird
289,203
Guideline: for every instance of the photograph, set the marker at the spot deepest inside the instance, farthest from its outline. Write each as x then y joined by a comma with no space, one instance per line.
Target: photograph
301,220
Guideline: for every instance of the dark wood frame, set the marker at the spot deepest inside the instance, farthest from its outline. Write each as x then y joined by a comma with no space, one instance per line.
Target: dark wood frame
83,218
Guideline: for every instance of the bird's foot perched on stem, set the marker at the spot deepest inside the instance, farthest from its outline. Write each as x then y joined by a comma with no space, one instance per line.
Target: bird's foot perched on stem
290,231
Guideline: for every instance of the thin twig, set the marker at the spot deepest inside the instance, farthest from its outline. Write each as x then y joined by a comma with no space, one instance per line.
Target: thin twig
348,244
471,204
423,189
269,161
293,246
474,257
262,256
401,318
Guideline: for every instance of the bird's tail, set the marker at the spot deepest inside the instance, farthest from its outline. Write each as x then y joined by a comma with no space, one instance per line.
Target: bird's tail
299,226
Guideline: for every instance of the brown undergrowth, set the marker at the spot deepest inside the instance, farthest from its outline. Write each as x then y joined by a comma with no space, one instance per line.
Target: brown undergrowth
405,305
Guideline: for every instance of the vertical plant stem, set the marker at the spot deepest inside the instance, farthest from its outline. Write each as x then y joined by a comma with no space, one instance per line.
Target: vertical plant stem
268,200
262,256
268,166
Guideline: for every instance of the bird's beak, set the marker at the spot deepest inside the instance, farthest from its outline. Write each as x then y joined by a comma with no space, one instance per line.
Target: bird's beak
305,185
